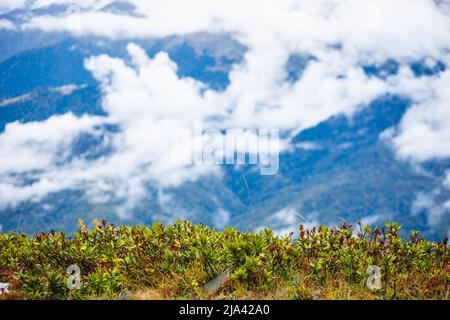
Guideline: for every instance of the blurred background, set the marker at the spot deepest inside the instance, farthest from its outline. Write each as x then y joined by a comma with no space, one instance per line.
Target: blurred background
91,92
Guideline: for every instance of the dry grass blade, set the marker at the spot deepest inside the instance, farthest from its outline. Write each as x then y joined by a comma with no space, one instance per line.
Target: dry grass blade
212,286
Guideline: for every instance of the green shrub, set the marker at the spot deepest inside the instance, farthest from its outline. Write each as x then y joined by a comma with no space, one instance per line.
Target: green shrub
176,261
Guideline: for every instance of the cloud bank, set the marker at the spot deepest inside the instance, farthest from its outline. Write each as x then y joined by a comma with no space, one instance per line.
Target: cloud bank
149,102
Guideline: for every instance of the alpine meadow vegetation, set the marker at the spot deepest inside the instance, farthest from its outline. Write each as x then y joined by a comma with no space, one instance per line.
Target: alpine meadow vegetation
178,261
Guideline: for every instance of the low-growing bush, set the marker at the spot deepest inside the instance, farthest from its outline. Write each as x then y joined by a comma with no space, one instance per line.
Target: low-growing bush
176,261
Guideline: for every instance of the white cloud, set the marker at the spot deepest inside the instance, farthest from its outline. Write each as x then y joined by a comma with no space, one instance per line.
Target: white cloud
8,5
67,89
288,220
21,98
424,132
308,145
447,180
221,218
6,24
373,219
434,207
36,145
91,4
297,25
150,102
147,101
35,149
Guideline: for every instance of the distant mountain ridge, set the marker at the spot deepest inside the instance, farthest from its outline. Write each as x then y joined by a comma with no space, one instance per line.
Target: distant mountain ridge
339,168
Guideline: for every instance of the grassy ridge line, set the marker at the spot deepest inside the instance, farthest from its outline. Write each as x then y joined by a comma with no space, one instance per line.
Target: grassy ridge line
176,261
